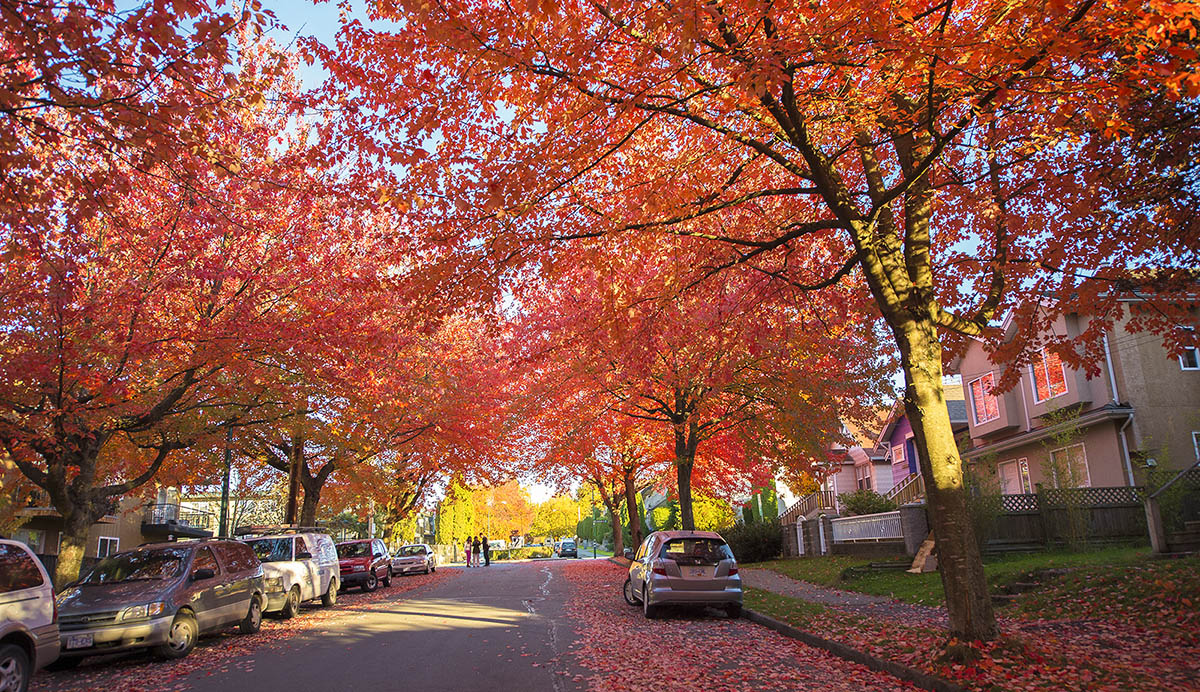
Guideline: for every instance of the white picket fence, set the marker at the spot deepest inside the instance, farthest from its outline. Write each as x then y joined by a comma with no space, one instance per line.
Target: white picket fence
868,527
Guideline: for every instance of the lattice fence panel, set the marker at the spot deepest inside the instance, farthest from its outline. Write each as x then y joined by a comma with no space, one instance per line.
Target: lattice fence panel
1093,497
1026,502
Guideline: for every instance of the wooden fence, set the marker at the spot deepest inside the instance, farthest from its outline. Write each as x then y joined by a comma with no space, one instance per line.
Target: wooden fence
1067,516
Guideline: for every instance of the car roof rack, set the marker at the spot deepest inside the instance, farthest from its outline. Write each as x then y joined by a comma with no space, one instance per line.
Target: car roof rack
277,530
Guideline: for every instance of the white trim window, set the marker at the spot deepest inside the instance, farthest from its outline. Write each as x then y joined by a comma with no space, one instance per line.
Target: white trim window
984,405
1190,359
1196,443
898,455
107,545
862,476
1049,376
1014,477
1072,462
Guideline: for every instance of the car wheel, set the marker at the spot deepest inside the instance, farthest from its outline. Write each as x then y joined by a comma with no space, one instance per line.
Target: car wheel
648,610
181,637
387,579
734,611
433,568
292,605
252,623
627,591
330,596
14,668
371,583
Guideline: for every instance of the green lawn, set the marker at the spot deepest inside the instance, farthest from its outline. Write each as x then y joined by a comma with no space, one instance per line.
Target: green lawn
926,589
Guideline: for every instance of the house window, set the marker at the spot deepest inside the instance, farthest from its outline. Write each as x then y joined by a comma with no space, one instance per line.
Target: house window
983,401
1014,477
898,454
1190,359
1068,467
107,546
862,476
1049,376
1196,443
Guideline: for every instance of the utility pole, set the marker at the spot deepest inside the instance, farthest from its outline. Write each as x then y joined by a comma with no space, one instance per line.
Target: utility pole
294,480
224,527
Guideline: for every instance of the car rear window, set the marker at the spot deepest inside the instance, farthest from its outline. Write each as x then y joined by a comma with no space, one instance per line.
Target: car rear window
17,570
696,551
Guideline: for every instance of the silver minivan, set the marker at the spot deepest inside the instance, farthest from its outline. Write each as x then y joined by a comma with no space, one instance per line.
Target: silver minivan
28,621
684,568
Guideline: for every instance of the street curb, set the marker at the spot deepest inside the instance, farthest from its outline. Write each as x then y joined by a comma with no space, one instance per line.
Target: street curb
923,680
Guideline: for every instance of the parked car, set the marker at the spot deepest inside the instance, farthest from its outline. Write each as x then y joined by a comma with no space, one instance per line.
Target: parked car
568,549
364,564
28,617
297,567
685,568
162,596
418,557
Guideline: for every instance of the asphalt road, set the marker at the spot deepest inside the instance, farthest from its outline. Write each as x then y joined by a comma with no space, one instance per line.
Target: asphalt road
480,629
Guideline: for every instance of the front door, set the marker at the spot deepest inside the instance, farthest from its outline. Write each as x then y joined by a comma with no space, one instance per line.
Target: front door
910,453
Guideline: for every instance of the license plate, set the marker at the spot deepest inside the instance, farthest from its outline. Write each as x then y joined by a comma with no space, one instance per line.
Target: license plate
698,572
79,641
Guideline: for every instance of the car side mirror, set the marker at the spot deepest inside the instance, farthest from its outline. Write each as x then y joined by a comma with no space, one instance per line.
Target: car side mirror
303,555
628,553
202,574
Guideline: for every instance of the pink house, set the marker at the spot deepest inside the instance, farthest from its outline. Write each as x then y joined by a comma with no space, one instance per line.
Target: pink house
1059,427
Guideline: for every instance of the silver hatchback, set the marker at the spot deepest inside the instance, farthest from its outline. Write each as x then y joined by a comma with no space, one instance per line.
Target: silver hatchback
684,568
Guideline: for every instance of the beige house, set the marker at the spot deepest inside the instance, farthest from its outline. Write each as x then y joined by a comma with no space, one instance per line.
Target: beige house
1059,427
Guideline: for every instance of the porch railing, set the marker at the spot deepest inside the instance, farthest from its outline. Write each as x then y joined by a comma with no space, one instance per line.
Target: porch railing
868,527
813,502
171,513
910,489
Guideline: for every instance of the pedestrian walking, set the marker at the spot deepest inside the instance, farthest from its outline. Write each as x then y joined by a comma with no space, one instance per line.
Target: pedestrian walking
467,551
487,553
476,551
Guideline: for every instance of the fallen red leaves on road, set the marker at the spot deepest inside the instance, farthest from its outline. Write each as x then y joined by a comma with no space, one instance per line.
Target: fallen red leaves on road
693,650
228,650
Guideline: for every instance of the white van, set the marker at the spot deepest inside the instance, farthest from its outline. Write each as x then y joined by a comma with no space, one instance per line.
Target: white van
297,567
28,620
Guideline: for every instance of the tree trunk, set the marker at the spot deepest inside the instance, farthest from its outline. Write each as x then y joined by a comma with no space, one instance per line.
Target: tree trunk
77,524
635,510
967,598
686,442
312,499
295,461
618,532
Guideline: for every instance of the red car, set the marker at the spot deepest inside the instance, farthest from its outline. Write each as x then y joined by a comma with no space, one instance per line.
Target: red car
364,563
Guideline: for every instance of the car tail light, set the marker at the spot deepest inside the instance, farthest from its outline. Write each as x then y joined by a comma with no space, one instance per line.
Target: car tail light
661,570
732,571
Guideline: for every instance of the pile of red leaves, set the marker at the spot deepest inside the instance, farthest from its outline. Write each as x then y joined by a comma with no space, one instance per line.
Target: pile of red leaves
219,653
691,650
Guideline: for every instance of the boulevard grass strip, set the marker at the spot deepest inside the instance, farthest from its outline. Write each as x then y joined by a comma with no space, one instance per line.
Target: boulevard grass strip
1041,656
926,589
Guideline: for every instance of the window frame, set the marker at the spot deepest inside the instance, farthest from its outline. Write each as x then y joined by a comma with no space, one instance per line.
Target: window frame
986,394
1023,479
1087,471
100,541
1196,443
1195,352
1043,352
898,454
861,476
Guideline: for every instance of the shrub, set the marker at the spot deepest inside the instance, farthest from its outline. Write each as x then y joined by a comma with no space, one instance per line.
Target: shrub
525,553
754,541
865,501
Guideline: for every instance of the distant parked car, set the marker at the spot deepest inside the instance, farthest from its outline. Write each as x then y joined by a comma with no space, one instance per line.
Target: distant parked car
685,568
364,564
28,618
162,596
568,549
418,557
297,567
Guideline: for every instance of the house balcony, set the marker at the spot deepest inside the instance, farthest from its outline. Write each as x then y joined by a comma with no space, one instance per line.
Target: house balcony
163,520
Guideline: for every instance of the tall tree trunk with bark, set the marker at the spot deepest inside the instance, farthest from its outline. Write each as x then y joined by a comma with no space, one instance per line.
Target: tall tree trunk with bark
686,442
635,510
968,601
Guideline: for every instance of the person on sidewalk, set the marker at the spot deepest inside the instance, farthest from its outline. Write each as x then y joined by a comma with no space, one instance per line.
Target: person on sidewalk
487,552
467,551
475,551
